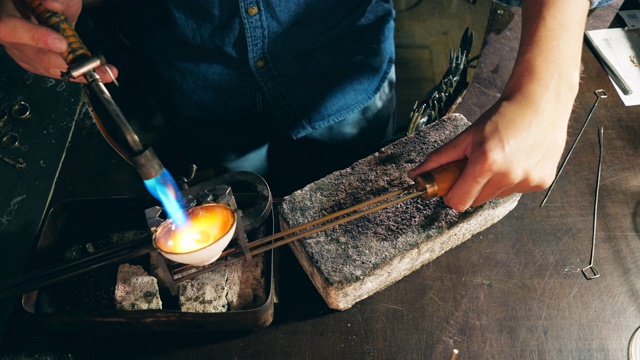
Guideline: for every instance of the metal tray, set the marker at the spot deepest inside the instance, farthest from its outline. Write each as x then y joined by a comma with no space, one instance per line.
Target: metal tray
85,301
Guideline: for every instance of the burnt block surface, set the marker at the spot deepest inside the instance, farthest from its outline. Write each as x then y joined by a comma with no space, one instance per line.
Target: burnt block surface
352,261
234,287
136,290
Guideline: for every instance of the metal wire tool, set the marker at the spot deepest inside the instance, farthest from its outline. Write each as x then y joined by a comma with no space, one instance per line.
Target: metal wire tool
600,94
590,272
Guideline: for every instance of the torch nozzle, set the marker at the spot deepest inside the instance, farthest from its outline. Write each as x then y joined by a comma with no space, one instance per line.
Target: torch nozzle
165,189
160,184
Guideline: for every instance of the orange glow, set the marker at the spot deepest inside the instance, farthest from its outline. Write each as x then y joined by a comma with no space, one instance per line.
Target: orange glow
205,225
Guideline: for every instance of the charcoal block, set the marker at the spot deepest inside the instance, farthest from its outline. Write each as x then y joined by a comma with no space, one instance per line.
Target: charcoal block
352,261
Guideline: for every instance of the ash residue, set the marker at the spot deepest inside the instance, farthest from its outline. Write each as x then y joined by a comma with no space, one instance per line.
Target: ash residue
350,251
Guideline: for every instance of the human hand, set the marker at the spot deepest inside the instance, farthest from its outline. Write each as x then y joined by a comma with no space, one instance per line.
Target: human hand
516,145
513,148
38,48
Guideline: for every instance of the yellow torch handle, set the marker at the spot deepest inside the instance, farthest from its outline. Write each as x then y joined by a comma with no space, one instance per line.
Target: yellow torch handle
77,51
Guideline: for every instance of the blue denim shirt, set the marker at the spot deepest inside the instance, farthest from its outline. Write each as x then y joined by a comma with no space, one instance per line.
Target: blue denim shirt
222,64
289,66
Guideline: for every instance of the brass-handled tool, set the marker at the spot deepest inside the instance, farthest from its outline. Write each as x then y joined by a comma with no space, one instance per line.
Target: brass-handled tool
77,54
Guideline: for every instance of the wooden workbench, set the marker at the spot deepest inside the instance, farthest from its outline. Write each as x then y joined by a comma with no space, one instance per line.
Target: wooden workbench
513,291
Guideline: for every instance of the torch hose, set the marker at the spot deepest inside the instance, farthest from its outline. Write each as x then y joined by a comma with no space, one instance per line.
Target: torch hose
82,63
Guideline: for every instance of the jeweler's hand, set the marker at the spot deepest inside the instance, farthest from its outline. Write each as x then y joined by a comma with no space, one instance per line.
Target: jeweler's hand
515,147
38,48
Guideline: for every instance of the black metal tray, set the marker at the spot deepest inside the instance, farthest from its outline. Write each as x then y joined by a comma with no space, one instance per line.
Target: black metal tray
75,228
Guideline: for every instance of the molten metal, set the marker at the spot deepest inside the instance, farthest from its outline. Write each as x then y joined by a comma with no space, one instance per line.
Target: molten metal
208,231
206,225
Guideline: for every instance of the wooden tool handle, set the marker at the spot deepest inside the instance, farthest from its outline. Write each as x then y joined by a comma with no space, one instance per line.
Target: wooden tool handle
77,51
438,182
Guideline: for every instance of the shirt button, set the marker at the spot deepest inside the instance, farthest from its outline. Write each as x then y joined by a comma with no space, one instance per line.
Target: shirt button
252,10
260,63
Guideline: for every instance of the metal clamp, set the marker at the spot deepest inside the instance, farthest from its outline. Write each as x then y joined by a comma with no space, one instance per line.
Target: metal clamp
85,67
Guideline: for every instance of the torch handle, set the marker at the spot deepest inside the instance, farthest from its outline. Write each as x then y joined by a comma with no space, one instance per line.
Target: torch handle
438,182
77,51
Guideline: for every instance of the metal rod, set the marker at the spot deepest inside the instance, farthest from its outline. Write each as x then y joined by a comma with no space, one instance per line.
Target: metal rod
46,276
454,354
600,94
271,242
594,272
334,215
337,214
326,226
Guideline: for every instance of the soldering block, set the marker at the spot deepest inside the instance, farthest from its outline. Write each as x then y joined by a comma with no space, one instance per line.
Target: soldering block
352,261
136,290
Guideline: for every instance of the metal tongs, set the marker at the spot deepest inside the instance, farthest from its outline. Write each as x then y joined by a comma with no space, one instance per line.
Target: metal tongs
428,185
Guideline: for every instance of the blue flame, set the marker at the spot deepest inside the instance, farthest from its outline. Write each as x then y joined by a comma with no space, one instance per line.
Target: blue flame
164,188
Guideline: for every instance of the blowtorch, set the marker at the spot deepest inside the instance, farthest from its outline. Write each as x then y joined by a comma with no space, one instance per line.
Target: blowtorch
81,63
160,184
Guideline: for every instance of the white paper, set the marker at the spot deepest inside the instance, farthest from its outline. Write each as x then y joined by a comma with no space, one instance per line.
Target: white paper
631,18
622,49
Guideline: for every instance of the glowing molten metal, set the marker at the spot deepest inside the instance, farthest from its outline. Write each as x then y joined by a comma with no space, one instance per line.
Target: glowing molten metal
201,240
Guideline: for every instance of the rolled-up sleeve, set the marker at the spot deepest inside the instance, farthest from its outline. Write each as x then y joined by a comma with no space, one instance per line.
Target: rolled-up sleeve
594,3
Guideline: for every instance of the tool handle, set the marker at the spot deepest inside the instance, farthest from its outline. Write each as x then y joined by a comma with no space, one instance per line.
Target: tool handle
438,182
77,51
